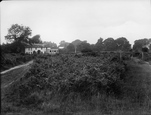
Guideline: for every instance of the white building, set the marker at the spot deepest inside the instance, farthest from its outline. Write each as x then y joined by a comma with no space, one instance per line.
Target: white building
39,48
51,51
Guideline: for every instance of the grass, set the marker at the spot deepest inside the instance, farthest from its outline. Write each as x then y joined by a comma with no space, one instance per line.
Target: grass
138,85
13,75
135,100
7,80
9,60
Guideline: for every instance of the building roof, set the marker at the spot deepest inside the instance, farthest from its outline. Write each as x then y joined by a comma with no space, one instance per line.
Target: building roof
38,46
35,46
61,47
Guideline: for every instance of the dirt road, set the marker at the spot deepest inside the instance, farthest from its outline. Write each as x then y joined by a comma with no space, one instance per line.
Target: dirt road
17,67
10,76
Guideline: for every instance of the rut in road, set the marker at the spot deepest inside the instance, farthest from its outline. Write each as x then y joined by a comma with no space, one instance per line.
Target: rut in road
30,62
12,75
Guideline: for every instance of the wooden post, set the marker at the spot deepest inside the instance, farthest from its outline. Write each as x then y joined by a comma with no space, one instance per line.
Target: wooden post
142,55
120,55
75,49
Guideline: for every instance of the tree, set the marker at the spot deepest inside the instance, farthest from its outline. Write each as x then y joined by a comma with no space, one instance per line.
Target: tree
122,44
36,39
138,44
99,45
18,36
50,44
18,33
109,44
70,48
63,44
145,49
150,44
76,43
84,46
92,47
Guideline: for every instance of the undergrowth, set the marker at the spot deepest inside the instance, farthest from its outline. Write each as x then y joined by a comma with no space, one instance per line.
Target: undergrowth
12,59
68,84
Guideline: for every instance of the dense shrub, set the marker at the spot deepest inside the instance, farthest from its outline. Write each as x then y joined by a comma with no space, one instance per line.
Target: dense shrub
13,59
89,52
63,76
147,56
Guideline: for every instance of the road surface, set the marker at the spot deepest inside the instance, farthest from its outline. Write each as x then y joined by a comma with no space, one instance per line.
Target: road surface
19,66
13,74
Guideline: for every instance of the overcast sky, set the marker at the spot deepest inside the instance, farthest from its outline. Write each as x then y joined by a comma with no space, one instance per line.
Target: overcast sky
57,20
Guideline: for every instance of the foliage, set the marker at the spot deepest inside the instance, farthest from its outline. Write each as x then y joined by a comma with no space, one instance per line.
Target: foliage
109,44
84,46
70,48
145,49
63,44
14,47
18,37
66,83
122,44
50,44
76,42
12,59
36,39
147,56
99,45
61,76
138,44
18,33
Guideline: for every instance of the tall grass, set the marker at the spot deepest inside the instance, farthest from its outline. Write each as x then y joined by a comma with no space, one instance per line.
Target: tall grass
82,85
12,59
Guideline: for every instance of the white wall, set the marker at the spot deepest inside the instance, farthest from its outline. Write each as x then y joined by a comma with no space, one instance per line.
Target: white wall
43,50
28,50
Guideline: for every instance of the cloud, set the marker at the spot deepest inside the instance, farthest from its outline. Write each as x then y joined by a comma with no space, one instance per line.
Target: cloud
131,30
86,20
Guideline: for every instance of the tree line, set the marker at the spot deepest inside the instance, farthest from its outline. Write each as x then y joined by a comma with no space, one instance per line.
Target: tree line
19,36
109,44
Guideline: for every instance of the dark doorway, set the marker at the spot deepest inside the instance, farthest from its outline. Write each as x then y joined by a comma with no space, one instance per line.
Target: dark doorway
34,52
38,51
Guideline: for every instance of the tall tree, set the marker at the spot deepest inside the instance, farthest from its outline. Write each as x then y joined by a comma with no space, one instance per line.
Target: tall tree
84,46
70,48
76,43
150,44
109,44
122,44
63,44
18,33
50,44
18,36
36,39
99,45
138,44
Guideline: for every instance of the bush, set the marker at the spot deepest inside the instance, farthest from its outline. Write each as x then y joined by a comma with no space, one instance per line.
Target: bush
64,75
12,59
61,82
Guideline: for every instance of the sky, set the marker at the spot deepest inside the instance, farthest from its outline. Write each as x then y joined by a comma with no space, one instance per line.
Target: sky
57,20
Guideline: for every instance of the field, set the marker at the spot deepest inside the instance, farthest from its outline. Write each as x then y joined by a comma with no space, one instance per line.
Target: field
80,85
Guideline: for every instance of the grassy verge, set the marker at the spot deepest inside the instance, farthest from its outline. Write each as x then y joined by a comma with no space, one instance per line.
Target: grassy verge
7,81
82,91
12,59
